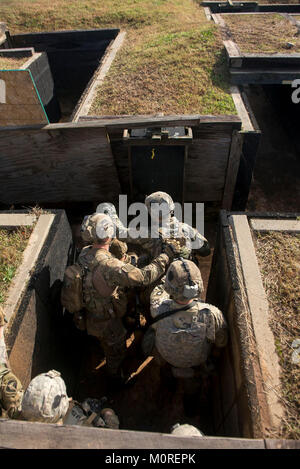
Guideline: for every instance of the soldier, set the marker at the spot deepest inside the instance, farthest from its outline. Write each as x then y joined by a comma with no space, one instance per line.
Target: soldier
172,227
185,430
122,237
45,399
11,391
104,300
185,327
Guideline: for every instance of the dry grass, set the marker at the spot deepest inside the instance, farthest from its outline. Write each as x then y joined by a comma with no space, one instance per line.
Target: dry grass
172,60
12,63
12,245
262,33
279,260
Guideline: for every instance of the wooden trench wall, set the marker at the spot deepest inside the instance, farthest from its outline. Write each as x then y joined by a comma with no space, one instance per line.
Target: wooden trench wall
34,323
248,7
233,413
88,161
257,68
245,403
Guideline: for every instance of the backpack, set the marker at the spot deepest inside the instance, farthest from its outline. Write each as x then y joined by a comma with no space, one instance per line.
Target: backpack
72,289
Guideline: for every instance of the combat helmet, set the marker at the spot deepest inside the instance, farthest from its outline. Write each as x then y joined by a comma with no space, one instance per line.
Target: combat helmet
183,280
160,198
185,430
97,227
107,208
45,399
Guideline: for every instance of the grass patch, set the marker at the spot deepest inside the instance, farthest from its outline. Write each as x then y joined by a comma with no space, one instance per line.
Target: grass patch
279,260
12,246
171,61
262,33
12,63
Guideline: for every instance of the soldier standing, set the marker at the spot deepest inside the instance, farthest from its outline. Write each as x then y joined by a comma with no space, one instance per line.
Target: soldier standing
170,226
185,327
105,278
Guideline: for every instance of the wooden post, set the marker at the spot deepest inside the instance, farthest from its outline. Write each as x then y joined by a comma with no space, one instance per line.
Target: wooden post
232,168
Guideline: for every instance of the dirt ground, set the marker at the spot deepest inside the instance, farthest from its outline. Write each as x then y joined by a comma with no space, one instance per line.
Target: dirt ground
262,33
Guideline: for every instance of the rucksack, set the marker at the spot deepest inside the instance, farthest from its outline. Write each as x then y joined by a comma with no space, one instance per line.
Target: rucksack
72,289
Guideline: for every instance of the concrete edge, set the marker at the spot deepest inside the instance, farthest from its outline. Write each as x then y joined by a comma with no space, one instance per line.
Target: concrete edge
35,56
30,257
242,111
263,224
89,93
10,220
249,363
259,310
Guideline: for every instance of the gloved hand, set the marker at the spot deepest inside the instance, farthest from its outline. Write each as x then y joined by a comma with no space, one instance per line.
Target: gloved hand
118,248
175,248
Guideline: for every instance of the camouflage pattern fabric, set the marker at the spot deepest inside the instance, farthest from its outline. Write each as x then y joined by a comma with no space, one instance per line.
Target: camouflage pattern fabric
45,399
11,392
118,248
106,301
176,230
112,337
184,339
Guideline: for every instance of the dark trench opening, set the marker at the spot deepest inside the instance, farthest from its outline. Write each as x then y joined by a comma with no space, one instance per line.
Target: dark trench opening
73,58
275,182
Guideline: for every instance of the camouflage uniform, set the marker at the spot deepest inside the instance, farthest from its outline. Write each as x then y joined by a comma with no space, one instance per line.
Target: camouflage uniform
173,228
184,339
104,298
11,392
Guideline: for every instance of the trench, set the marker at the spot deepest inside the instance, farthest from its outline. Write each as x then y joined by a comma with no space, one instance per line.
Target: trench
73,58
151,401
275,183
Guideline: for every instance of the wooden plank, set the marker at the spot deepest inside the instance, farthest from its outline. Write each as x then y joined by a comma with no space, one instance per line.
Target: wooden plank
25,52
241,109
232,49
22,435
90,93
207,13
57,166
247,164
263,76
232,169
282,444
219,20
249,109
45,37
22,104
205,169
143,122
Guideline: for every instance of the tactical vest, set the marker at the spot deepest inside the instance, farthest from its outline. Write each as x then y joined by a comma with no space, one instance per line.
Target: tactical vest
184,339
101,300
11,392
